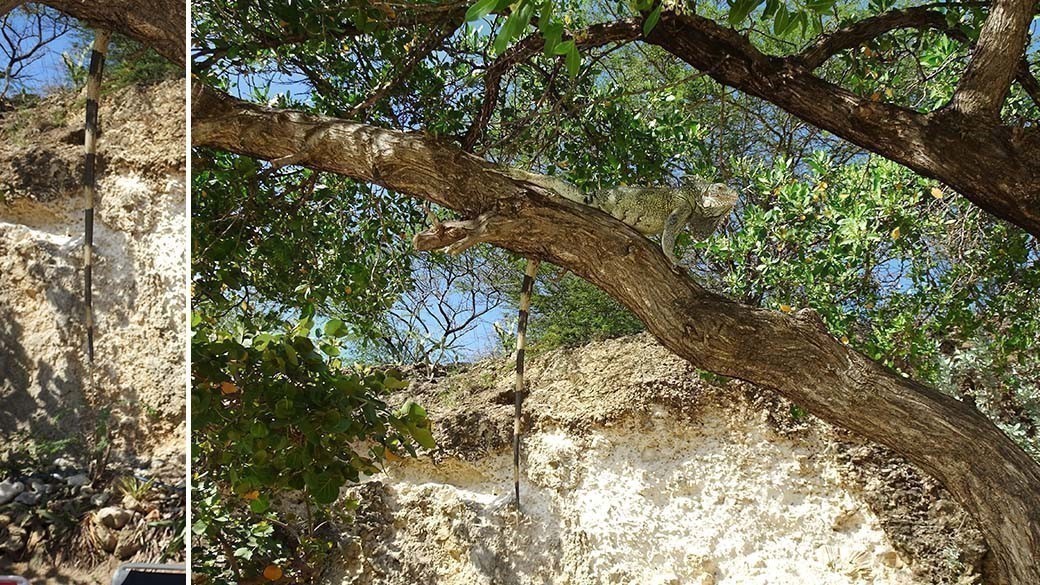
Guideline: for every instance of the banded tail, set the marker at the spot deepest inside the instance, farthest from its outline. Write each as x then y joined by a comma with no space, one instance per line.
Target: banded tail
90,136
521,342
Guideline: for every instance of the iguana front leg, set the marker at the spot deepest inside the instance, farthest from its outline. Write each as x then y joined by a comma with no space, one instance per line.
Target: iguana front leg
675,221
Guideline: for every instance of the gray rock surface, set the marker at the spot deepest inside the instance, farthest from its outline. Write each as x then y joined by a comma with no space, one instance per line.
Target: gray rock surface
9,490
112,517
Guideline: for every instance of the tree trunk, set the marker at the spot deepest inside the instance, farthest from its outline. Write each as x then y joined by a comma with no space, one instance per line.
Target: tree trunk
983,469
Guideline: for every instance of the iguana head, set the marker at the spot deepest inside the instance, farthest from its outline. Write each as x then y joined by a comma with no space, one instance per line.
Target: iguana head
718,199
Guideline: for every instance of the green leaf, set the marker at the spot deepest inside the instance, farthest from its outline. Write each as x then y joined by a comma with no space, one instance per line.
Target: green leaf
781,21
290,353
283,408
481,9
552,34
261,341
820,6
415,410
296,458
545,19
565,47
770,9
392,383
260,505
423,436
336,328
330,349
802,18
740,9
514,26
323,487
651,20
573,62
199,528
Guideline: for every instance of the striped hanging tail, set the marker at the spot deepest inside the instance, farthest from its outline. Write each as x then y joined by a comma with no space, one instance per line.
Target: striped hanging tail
90,137
521,342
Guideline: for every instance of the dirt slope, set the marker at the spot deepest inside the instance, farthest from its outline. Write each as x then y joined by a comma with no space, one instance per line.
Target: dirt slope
635,471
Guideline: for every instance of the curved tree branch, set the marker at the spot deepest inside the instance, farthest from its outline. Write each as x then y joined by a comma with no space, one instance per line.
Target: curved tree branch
981,467
859,32
918,17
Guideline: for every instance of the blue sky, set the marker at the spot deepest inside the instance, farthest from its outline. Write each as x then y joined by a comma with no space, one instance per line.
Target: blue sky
49,70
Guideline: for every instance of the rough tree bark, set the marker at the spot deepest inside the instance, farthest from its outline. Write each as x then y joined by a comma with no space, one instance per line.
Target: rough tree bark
156,23
980,466
964,145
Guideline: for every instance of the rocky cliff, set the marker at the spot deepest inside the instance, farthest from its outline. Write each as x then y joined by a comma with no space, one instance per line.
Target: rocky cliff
139,276
635,470
91,474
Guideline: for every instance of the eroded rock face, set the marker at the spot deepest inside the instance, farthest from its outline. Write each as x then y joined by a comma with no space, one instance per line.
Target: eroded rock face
636,472
140,247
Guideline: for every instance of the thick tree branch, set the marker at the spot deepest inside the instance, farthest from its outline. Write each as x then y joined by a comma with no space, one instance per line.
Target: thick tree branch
994,166
158,24
980,466
996,59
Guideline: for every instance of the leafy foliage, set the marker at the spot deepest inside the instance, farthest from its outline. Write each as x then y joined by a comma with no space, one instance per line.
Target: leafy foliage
571,312
293,238
277,412
127,63
286,268
246,540
901,269
130,63
567,311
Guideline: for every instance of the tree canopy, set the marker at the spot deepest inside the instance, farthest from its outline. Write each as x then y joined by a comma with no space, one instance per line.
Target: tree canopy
881,269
